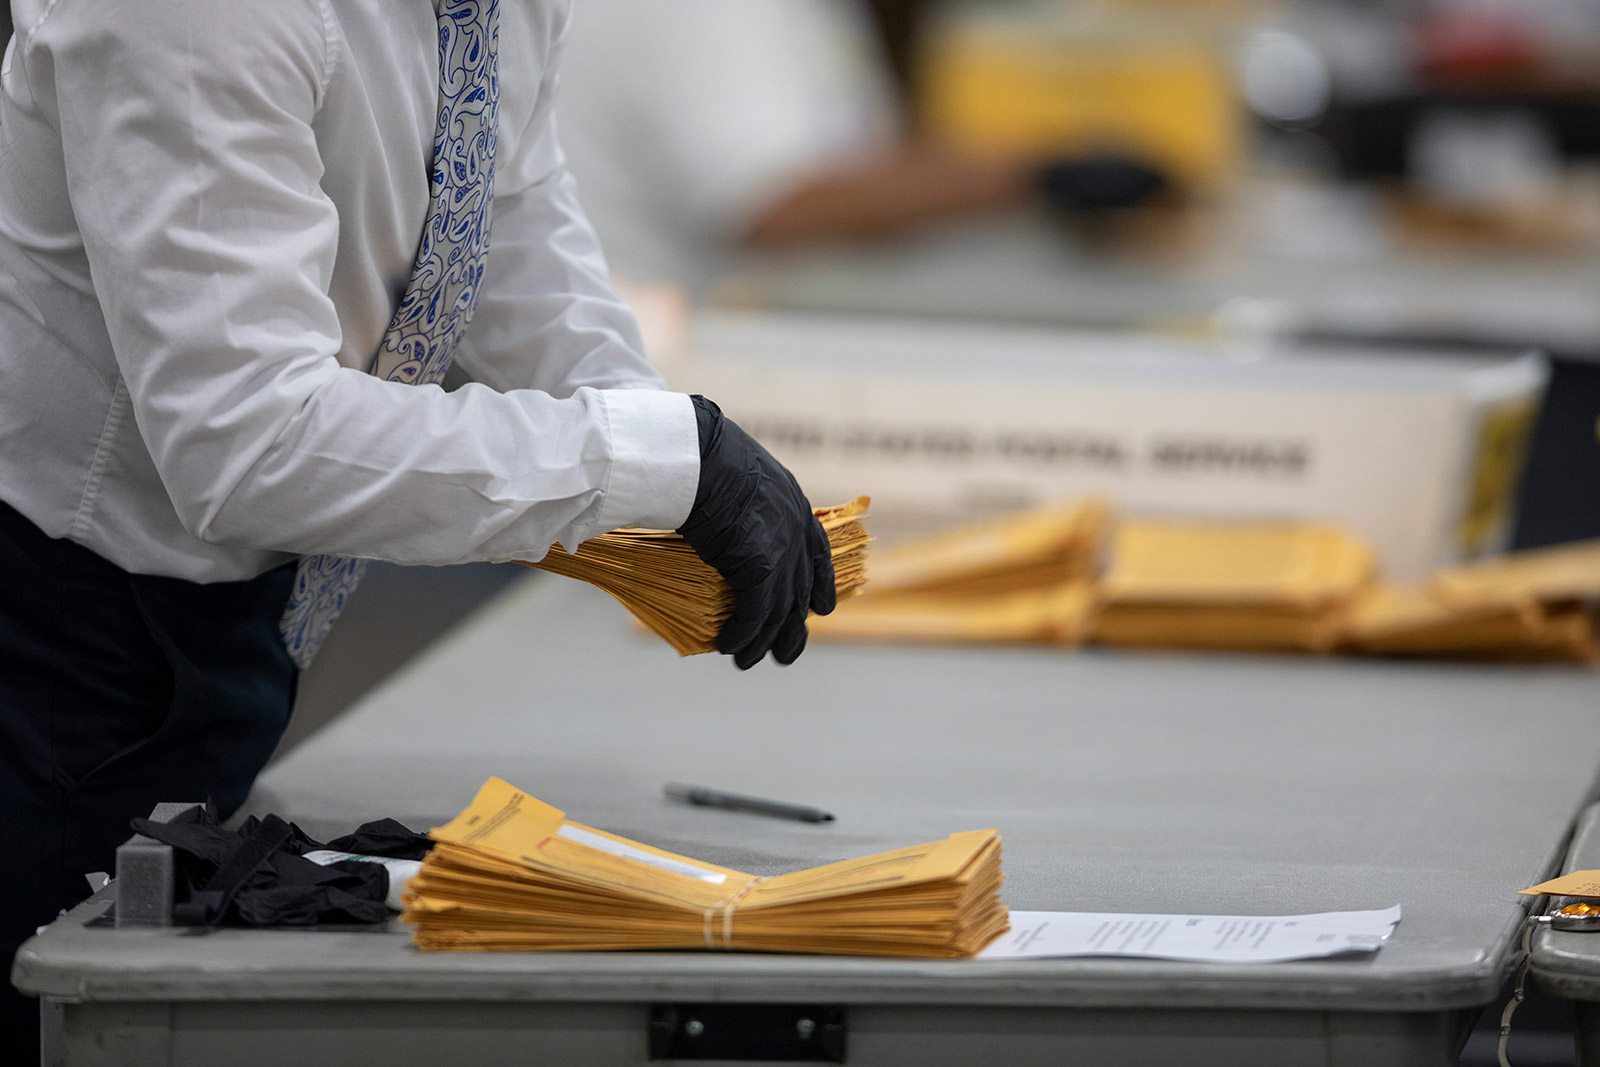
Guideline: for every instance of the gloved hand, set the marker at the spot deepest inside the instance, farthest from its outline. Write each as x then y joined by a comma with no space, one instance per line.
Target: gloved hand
752,523
1099,183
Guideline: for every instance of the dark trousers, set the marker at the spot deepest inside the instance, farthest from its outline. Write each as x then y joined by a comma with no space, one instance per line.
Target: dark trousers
117,692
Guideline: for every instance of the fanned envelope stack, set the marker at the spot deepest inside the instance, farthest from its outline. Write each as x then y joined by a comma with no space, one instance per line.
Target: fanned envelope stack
673,592
1025,552
1021,578
512,874
1565,575
1230,585
1415,621
1534,605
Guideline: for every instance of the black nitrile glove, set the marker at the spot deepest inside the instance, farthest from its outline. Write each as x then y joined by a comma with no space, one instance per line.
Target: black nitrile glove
1099,183
752,523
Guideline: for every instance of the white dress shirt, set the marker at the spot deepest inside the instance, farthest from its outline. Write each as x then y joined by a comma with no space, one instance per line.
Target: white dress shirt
208,211
684,119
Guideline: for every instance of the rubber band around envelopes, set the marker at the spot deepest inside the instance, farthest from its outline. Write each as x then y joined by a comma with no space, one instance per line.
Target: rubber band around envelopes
727,907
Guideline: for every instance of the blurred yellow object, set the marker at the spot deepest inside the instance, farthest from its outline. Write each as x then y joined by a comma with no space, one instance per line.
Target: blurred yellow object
1564,573
1030,578
679,597
511,873
1256,628
1015,553
1021,578
1230,585
1054,616
1034,87
1418,622
1290,565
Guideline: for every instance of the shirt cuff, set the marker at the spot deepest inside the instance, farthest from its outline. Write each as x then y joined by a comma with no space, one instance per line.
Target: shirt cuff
655,459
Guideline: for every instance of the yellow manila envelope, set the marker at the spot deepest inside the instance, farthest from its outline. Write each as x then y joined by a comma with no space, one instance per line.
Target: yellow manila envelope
1012,554
1057,616
1564,572
1576,884
1290,565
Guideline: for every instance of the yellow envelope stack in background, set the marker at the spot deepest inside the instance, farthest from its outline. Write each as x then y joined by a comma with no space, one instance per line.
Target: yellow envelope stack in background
1233,585
1073,573
510,873
1070,574
1535,605
1018,579
668,588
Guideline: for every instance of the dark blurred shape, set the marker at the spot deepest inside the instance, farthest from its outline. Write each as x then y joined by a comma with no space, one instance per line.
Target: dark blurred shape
1373,139
1100,183
1559,500
899,24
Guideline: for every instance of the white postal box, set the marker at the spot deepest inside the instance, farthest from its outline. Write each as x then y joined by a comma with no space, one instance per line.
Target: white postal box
1418,451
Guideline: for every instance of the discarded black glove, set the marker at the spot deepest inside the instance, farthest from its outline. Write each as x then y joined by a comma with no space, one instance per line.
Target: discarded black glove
752,523
1099,183
258,875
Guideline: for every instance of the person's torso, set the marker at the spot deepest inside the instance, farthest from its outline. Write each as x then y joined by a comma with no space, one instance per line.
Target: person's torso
61,430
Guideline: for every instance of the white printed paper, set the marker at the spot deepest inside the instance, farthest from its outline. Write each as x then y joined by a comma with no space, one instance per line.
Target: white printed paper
617,848
1193,938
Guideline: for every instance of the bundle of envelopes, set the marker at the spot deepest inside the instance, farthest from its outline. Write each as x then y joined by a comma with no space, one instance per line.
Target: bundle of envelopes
1019,578
1533,605
668,588
1068,574
1233,585
510,873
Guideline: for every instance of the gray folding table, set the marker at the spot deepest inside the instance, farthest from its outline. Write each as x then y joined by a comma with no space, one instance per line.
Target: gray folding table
1120,782
1567,963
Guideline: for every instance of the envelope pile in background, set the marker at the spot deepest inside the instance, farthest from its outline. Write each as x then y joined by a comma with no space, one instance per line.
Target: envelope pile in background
1074,574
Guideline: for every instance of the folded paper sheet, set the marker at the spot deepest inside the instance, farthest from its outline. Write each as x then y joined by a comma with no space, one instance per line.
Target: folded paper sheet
673,592
510,873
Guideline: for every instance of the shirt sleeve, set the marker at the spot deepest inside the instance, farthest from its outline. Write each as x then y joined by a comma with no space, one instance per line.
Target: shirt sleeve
194,171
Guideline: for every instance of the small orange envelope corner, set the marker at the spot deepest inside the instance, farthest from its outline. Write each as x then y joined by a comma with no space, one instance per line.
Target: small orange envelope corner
1576,884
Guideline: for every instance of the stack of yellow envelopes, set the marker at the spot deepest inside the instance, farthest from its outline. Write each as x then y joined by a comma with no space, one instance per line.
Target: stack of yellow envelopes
668,588
1020,578
1534,605
1052,616
1019,553
1420,621
512,874
1230,585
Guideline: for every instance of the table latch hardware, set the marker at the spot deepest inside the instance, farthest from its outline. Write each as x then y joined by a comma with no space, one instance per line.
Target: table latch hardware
770,1033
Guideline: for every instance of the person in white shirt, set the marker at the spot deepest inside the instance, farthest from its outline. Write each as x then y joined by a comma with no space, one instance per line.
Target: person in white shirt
208,213
700,128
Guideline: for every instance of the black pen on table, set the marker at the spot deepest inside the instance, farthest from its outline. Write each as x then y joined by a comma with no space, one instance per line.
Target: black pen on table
712,798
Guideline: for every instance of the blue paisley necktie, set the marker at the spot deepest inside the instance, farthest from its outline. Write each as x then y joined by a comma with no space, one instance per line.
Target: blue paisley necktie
443,290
